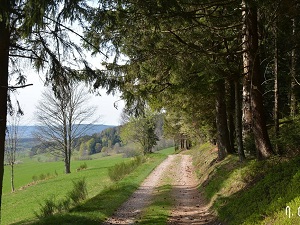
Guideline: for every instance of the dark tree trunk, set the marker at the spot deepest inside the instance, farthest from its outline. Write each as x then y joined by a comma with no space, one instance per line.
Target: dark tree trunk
66,145
231,115
221,121
238,122
4,56
252,71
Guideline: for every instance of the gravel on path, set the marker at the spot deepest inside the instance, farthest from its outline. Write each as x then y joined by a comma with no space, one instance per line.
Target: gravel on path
190,208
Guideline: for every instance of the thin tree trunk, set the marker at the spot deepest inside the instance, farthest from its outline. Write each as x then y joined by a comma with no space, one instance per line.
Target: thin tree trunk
276,94
293,99
221,121
4,56
12,177
238,122
66,146
252,71
231,108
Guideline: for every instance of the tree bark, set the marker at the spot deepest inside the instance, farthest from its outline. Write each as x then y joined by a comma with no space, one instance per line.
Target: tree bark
276,93
12,177
247,114
66,146
238,122
4,60
231,123
221,121
253,80
293,100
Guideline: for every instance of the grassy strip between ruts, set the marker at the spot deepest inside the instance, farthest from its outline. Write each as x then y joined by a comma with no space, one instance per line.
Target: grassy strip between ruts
253,192
101,206
159,210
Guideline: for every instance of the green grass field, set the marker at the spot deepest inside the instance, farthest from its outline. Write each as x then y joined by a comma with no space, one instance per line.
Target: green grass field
19,207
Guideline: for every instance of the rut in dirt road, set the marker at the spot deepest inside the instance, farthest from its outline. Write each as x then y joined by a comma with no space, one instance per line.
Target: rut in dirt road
189,205
129,212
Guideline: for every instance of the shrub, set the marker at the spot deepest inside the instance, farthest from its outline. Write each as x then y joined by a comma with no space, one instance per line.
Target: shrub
82,167
47,209
35,178
120,170
42,176
76,195
79,192
131,152
63,205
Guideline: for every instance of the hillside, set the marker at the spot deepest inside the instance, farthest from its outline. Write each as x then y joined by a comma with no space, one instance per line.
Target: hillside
104,196
251,192
28,131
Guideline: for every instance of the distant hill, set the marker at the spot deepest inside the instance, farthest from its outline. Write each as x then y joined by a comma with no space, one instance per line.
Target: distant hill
28,131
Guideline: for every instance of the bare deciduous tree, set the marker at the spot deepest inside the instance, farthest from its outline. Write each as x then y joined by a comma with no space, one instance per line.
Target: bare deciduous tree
11,142
61,116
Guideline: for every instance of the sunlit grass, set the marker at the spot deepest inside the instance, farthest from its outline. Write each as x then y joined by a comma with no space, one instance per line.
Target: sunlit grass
104,196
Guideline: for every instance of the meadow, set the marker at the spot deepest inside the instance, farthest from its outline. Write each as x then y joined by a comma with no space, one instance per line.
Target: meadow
19,207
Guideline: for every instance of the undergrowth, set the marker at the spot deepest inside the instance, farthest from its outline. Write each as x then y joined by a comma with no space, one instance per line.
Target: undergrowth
73,198
120,170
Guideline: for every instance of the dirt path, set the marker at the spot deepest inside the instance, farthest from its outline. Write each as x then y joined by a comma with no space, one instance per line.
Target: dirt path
189,205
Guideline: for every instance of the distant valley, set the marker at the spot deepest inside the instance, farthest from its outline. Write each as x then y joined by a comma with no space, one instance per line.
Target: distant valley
26,132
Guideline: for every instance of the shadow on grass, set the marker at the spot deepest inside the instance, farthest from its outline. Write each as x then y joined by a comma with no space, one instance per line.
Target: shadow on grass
61,219
277,184
218,176
94,210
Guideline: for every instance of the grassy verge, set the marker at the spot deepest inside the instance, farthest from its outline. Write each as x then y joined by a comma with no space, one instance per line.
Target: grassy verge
108,198
252,192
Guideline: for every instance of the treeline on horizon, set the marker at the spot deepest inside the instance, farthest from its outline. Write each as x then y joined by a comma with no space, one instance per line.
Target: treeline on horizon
107,141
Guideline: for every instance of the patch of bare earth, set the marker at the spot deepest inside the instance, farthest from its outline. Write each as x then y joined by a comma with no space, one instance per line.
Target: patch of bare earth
129,212
189,205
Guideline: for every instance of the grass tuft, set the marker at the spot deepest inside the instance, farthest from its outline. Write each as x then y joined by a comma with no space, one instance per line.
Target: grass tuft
120,170
79,191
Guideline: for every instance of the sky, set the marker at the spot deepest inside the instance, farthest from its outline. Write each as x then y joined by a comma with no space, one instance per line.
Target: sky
28,98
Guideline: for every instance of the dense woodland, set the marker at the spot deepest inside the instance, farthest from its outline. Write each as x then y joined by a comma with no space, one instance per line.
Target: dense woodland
222,70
